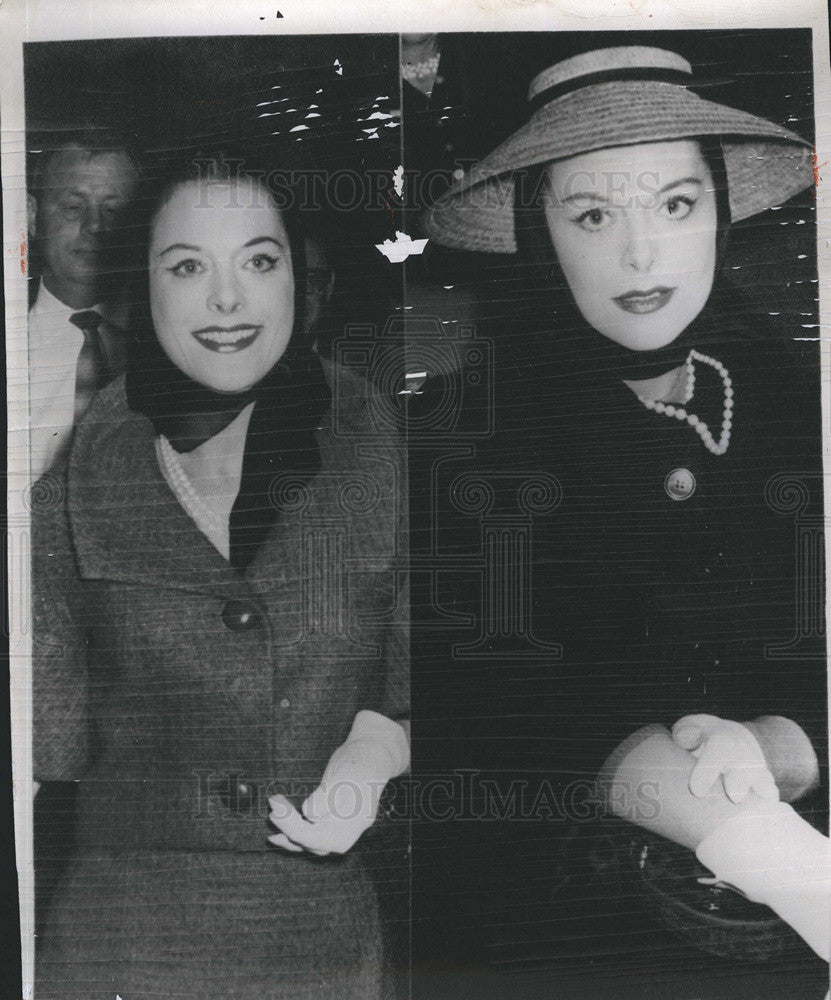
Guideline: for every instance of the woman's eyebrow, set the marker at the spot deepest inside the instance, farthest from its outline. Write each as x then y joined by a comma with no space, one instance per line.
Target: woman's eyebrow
179,246
596,197
264,239
683,180
585,196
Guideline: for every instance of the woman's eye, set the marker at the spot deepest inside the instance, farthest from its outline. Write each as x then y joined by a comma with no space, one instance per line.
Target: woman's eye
594,219
262,262
187,268
678,207
71,207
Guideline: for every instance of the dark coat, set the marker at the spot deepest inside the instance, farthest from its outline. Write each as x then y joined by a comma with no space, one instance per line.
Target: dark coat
181,692
637,607
572,600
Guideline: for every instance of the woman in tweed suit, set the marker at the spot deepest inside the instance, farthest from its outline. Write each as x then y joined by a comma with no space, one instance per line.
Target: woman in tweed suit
220,634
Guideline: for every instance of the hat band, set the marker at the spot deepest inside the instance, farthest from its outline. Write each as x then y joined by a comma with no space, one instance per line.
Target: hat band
623,74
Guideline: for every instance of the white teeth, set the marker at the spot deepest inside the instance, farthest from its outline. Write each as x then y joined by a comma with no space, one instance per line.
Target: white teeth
226,336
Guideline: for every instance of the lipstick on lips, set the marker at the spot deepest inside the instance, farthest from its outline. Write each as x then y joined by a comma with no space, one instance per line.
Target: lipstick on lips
644,302
227,339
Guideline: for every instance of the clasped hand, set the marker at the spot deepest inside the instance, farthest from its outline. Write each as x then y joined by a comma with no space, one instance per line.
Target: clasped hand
728,750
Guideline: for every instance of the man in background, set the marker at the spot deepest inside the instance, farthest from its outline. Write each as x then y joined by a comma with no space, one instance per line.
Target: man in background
78,191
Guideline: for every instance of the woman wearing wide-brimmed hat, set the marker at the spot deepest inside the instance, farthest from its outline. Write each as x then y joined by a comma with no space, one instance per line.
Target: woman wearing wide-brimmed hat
679,425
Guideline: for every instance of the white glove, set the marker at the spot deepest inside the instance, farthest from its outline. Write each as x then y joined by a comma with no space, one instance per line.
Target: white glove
345,803
727,749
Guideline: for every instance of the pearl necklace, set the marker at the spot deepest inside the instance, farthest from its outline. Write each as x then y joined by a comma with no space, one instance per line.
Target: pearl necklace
703,431
206,520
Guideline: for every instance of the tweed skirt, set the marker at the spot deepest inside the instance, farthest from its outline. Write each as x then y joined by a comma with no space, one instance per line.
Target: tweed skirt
205,926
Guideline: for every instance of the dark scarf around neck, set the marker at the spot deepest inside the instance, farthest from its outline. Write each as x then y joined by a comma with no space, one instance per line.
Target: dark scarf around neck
289,404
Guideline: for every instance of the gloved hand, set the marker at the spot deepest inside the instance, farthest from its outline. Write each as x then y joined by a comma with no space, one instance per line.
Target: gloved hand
345,804
724,749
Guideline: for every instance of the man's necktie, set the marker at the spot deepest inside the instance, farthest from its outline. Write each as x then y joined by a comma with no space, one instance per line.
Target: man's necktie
91,371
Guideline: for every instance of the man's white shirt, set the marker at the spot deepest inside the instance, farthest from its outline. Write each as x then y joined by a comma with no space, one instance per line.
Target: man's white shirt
54,347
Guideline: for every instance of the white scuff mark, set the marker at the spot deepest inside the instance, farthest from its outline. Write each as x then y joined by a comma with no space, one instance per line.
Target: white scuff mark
312,114
398,180
373,136
371,131
402,247
268,114
338,67
801,256
376,116
299,128
320,91
447,287
413,384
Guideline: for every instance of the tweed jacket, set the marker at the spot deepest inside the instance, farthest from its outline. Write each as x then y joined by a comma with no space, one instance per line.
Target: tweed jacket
180,691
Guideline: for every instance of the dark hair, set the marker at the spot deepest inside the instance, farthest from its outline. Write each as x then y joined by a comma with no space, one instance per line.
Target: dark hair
541,269
156,188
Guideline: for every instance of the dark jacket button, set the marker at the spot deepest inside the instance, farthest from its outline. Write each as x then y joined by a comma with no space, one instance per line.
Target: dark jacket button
239,616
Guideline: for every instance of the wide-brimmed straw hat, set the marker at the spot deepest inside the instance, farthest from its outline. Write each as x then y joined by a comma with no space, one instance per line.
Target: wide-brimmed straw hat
618,97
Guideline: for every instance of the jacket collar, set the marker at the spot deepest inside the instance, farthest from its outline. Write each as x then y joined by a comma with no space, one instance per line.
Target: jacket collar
127,525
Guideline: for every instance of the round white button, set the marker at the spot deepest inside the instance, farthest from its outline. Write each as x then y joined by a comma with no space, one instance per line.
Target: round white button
680,484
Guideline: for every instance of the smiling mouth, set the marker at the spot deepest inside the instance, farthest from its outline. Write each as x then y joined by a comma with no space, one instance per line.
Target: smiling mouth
227,340
644,302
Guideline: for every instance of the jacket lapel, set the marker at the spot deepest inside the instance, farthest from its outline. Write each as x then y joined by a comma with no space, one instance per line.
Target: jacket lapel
126,524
